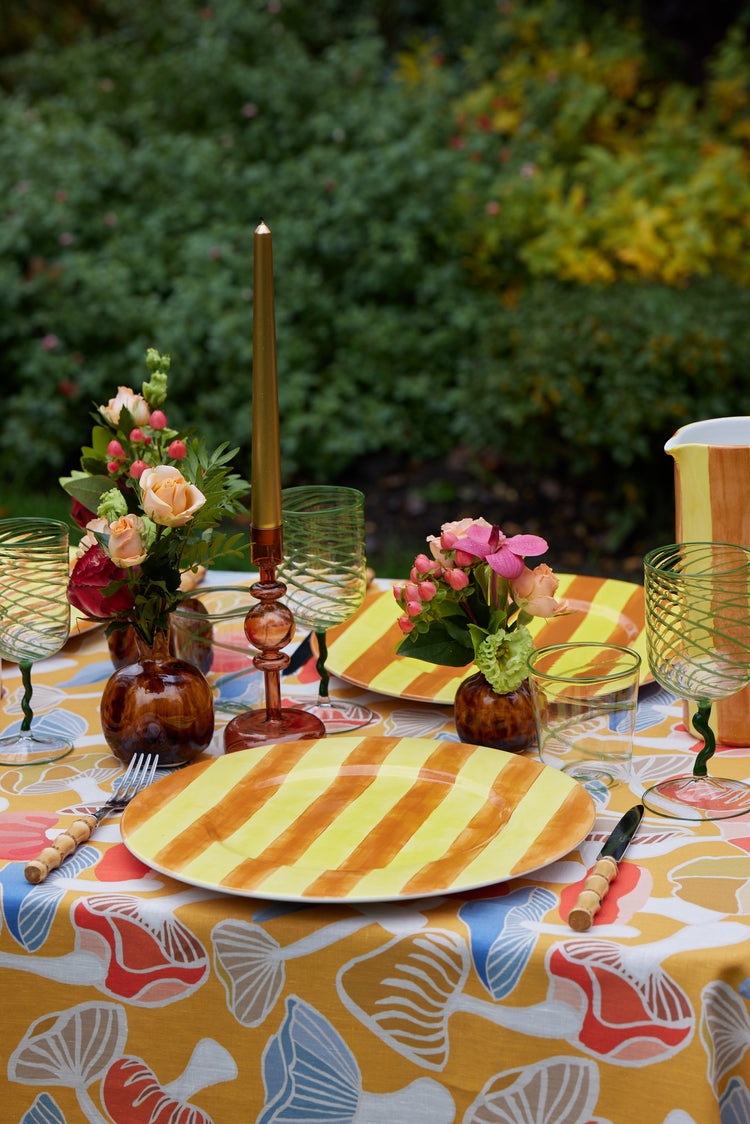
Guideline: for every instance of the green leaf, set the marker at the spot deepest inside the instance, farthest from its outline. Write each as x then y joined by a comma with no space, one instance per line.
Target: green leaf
437,646
88,490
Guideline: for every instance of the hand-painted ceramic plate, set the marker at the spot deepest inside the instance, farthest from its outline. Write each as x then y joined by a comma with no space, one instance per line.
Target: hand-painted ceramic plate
357,818
363,651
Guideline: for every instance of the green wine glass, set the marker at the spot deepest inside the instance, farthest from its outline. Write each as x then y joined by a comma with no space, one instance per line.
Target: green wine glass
698,645
325,572
34,621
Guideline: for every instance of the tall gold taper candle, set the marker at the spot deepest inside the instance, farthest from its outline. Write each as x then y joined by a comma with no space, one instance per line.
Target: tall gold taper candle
265,494
269,626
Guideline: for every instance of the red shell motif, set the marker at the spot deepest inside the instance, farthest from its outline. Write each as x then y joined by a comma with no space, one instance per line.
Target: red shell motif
627,1019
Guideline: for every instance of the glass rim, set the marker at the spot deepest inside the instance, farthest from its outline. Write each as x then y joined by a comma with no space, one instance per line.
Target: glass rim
670,549
558,677
23,524
342,498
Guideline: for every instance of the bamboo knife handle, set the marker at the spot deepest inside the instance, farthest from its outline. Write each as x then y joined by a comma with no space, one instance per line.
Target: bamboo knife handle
65,844
592,895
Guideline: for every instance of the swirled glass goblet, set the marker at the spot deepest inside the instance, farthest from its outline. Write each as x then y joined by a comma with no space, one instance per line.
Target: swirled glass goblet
34,621
324,570
698,644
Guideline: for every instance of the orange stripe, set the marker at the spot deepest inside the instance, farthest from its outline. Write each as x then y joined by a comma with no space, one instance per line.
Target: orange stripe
289,846
728,473
383,843
574,813
235,808
518,775
160,794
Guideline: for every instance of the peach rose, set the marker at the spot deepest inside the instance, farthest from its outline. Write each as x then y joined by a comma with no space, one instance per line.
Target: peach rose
136,403
168,498
90,539
533,591
127,541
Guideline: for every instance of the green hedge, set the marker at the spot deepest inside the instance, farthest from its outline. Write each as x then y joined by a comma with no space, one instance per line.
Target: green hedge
135,163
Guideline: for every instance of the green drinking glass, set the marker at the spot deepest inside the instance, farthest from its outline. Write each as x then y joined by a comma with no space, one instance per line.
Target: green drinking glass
34,621
325,572
698,645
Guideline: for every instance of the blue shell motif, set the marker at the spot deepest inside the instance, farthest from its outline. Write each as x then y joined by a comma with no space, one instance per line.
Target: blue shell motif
309,1072
29,911
734,1106
60,722
502,940
43,1111
96,672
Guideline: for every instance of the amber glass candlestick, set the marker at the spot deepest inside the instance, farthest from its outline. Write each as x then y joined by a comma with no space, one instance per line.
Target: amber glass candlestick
269,627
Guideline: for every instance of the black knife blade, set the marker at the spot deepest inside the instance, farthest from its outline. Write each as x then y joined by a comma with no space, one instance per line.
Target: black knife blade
604,870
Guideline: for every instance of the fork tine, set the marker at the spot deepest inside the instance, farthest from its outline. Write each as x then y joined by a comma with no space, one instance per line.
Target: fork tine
124,778
143,774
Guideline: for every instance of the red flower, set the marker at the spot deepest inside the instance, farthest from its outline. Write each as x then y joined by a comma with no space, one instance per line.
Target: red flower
92,573
80,514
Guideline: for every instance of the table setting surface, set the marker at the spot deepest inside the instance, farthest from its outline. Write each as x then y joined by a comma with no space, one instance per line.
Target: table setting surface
383,960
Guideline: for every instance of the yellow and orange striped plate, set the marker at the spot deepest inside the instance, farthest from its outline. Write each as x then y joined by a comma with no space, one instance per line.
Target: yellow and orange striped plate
363,651
357,818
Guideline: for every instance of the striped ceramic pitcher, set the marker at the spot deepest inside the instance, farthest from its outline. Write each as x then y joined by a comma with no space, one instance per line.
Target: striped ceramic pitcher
712,504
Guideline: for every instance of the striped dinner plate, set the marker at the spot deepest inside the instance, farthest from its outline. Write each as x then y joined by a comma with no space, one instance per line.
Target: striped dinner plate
357,818
363,651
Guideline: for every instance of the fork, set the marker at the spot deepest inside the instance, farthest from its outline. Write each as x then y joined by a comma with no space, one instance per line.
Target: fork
139,773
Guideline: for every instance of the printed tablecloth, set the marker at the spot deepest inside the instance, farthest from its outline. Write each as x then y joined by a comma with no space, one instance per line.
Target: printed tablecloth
129,996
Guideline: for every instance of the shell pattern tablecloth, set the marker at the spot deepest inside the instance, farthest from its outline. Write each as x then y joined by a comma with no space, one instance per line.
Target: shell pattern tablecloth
129,996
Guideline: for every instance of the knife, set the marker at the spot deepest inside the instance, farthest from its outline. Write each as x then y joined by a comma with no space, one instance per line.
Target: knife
604,870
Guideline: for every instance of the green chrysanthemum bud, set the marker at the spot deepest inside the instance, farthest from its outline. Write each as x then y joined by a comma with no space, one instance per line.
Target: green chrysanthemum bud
502,659
112,505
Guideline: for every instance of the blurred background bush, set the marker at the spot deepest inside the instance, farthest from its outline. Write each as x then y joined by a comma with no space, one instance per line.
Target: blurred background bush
516,232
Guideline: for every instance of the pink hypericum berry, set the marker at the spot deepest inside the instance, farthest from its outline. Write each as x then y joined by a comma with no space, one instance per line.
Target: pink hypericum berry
411,592
423,564
177,450
137,469
136,436
115,449
405,624
147,439
414,608
463,558
457,579
113,467
158,420
427,590
397,591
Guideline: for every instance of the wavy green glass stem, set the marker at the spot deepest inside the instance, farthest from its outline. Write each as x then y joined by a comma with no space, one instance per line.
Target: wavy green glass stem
28,714
320,664
700,722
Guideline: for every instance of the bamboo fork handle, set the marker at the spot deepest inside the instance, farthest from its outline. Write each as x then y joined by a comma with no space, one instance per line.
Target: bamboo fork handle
591,896
65,844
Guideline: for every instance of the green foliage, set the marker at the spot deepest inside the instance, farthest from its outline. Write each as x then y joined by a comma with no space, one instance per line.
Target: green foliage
541,249
584,164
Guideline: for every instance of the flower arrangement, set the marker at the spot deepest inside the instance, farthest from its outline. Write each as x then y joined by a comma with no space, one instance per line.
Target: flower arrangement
149,498
473,598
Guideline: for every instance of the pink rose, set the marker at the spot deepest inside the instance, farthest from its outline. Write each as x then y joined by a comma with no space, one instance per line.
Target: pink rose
167,496
127,541
92,573
133,402
534,591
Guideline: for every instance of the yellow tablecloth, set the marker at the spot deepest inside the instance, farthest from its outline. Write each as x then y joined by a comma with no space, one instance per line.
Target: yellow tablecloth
129,996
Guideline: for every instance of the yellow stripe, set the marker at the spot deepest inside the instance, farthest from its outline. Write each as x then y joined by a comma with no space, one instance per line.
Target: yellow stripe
186,806
694,494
